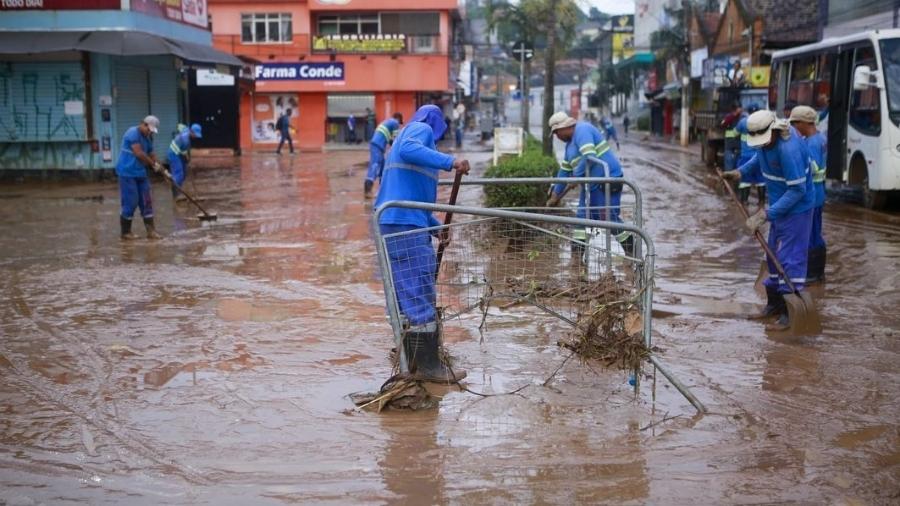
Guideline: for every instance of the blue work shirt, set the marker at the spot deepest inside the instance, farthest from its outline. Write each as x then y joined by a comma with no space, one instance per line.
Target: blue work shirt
181,144
587,141
785,166
385,133
128,164
818,153
411,173
747,152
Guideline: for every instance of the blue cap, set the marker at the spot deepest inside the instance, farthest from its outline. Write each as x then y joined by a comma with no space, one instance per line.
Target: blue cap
752,108
195,129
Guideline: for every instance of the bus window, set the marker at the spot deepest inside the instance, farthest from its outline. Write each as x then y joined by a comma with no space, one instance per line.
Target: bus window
865,105
824,71
803,74
890,56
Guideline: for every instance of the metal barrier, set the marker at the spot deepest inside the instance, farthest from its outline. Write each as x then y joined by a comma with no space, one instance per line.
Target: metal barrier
496,254
630,210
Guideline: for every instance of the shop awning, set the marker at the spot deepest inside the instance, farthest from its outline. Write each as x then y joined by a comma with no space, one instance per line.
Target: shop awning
112,42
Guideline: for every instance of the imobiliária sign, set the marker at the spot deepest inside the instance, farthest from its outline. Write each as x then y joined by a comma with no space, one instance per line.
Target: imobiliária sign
331,71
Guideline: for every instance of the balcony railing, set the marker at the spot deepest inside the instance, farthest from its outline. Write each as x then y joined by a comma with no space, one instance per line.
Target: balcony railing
377,44
298,46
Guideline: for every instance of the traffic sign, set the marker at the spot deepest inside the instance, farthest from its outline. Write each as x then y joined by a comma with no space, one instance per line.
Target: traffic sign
522,48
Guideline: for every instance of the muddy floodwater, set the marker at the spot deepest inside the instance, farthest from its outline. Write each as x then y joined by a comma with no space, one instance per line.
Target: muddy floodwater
214,366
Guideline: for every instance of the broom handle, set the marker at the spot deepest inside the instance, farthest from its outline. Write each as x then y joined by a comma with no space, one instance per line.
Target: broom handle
758,234
448,218
172,182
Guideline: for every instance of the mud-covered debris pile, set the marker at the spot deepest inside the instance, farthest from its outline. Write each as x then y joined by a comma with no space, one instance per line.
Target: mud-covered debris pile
579,291
397,393
609,329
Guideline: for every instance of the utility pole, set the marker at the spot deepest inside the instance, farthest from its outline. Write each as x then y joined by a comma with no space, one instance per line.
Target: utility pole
549,68
685,78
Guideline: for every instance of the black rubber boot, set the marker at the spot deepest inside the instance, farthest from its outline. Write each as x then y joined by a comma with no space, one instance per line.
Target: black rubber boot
125,226
151,229
422,346
367,188
628,246
774,305
781,324
744,194
815,265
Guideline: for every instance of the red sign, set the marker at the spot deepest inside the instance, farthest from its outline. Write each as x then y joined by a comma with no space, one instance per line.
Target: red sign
191,12
58,5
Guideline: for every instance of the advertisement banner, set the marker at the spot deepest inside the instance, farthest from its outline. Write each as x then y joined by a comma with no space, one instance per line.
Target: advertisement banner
715,71
622,46
58,5
623,24
331,71
361,43
191,12
759,77
266,111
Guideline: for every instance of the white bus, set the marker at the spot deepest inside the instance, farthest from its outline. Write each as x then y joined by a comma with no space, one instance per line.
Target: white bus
854,83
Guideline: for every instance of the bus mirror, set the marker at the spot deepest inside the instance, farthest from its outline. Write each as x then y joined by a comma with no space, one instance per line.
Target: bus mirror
862,78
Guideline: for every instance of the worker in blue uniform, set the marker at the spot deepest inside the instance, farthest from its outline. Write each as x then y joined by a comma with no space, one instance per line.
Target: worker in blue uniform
610,130
732,142
179,155
783,160
135,157
411,173
752,180
583,140
384,135
804,118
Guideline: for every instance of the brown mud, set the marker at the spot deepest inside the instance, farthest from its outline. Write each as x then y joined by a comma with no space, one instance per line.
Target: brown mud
215,366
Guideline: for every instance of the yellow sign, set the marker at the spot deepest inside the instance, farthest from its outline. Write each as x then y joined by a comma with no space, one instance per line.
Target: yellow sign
759,77
622,46
360,43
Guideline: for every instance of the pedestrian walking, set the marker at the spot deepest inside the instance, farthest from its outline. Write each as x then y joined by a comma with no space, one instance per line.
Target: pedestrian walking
179,156
283,126
732,140
459,120
351,129
384,135
135,158
626,122
804,118
582,140
783,160
411,173
754,180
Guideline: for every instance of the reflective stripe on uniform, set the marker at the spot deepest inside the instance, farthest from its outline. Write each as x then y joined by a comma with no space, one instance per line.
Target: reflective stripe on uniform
731,132
623,236
174,147
818,174
745,138
566,166
579,234
414,168
384,131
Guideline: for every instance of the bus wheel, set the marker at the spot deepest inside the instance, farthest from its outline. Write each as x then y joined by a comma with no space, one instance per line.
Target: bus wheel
873,199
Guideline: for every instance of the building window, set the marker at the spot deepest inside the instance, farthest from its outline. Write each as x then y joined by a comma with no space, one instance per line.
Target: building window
266,28
349,25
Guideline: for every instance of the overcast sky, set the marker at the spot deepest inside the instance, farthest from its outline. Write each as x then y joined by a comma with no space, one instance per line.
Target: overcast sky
609,6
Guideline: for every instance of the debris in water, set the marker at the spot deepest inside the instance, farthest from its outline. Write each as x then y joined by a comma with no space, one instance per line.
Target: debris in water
401,393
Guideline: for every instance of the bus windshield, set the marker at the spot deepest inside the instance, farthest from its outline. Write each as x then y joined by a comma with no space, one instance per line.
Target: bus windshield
890,56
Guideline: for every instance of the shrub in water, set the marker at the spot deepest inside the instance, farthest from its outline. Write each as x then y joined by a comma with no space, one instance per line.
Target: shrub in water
532,163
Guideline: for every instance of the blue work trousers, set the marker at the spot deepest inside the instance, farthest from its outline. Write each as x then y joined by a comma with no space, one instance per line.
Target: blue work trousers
413,265
135,193
730,157
376,163
789,239
178,169
598,203
459,137
815,238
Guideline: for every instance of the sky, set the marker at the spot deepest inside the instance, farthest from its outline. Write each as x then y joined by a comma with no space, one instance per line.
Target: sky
609,6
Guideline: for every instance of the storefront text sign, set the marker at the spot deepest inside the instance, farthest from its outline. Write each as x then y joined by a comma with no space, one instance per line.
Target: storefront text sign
59,5
333,71
192,12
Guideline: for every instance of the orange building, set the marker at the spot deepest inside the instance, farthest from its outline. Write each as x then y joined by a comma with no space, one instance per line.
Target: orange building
329,59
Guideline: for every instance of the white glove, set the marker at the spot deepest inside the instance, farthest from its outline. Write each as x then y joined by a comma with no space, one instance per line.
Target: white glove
756,221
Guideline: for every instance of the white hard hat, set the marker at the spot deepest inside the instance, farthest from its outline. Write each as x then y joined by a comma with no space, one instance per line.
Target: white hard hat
560,120
759,126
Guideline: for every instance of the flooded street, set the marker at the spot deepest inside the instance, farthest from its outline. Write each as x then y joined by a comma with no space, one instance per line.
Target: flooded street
214,366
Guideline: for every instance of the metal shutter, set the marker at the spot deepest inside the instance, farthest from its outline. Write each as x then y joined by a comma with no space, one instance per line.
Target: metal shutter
164,105
132,101
32,102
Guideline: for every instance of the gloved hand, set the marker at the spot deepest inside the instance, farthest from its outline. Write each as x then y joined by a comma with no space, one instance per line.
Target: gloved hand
157,167
553,201
757,220
732,175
